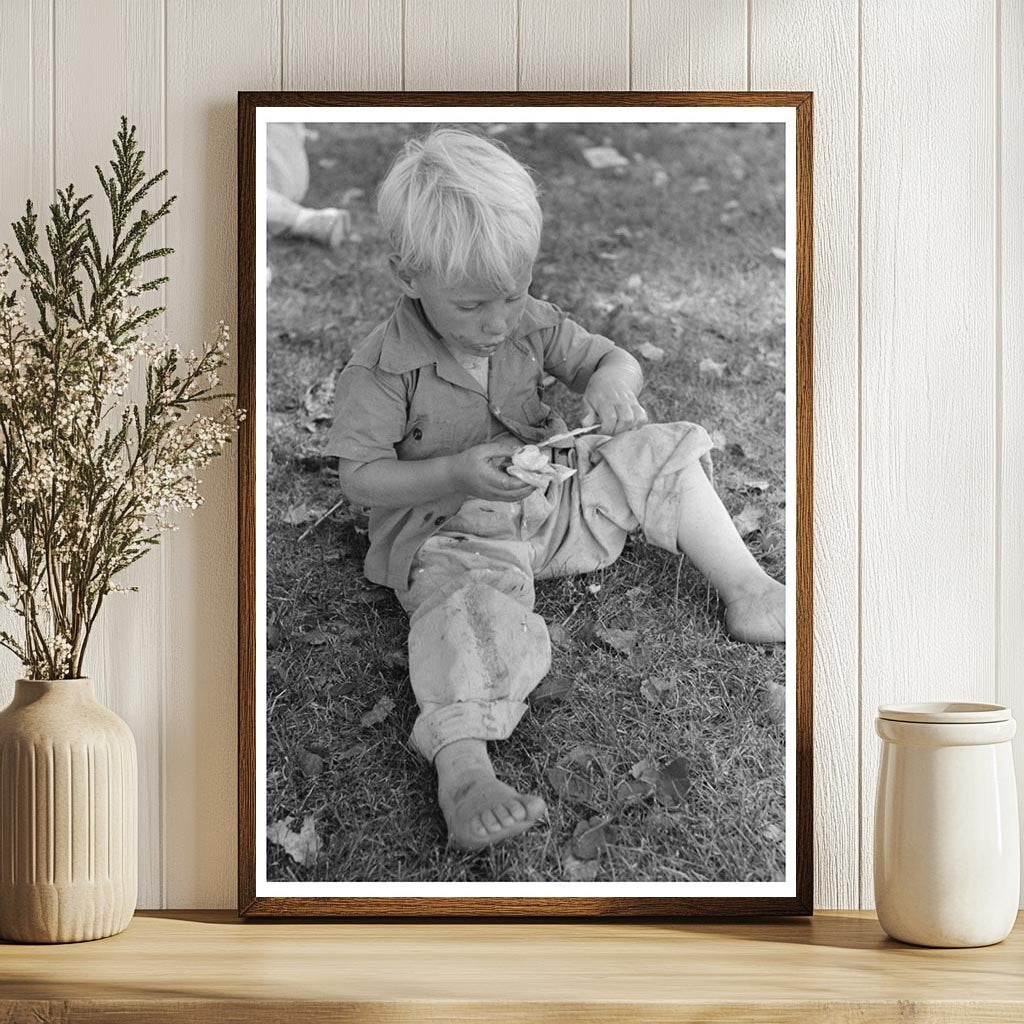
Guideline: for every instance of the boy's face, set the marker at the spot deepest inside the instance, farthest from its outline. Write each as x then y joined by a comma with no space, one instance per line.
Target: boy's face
472,318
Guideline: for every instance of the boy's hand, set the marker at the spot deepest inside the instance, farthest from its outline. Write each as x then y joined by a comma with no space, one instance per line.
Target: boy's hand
480,472
610,399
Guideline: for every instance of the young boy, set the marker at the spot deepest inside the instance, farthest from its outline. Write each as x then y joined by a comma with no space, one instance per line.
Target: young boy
429,411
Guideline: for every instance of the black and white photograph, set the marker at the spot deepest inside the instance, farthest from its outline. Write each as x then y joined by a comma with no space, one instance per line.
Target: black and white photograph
525,497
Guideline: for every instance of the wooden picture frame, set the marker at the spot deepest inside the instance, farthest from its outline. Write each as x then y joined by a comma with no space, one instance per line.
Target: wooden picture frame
678,899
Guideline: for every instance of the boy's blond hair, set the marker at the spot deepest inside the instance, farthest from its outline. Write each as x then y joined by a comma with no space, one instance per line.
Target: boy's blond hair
462,207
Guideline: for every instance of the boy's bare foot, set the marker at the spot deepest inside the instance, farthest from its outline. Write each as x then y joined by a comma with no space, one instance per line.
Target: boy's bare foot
758,615
479,808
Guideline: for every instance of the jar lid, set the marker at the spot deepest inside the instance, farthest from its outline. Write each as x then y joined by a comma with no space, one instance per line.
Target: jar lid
945,713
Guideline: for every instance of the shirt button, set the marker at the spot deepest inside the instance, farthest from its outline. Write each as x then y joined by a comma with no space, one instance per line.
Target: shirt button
439,520
417,434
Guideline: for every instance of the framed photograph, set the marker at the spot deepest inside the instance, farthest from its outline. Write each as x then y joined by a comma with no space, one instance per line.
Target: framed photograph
525,504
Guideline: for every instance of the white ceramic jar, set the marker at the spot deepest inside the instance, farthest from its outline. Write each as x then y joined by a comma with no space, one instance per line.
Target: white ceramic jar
947,846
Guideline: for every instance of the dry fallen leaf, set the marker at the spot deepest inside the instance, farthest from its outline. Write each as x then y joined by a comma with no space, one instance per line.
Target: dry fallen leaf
573,788
299,515
709,368
558,634
318,401
779,254
657,690
651,352
378,712
718,440
775,701
311,764
576,870
673,782
633,282
633,790
590,837
554,687
660,178
303,846
700,185
622,640
749,520
587,754
600,157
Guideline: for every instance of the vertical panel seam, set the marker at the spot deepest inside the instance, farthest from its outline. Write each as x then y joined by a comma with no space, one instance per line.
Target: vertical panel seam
860,457
53,98
519,44
997,160
162,696
629,44
750,15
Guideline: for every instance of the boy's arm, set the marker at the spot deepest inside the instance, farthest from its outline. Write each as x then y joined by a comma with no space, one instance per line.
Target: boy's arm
608,377
611,393
477,472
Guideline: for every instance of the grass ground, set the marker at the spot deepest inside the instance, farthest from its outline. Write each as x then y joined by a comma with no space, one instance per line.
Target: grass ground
659,748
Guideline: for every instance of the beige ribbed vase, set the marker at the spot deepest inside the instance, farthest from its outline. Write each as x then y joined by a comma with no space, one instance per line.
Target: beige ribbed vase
68,815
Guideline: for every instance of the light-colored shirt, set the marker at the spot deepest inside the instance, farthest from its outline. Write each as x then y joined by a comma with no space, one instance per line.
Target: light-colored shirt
404,396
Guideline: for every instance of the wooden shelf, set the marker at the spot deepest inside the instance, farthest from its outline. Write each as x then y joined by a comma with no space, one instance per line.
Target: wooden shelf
203,967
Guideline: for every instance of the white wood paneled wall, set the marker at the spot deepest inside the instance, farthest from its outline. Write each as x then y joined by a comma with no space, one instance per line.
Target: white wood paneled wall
919,317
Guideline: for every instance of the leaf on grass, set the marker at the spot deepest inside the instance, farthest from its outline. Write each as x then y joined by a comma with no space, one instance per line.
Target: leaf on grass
775,702
302,846
559,635
645,771
600,157
657,690
633,791
299,515
660,178
633,282
718,440
576,870
700,185
621,640
378,712
749,520
773,833
651,352
587,754
311,764
343,687
318,401
709,368
396,659
590,837
779,254
673,782
316,638
573,788
555,687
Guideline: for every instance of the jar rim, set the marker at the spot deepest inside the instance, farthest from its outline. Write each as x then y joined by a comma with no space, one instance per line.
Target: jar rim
945,712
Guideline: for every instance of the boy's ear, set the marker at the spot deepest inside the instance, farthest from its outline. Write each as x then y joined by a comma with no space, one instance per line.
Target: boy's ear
405,281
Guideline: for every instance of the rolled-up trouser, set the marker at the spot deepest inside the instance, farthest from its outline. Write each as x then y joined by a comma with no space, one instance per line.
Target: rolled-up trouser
476,648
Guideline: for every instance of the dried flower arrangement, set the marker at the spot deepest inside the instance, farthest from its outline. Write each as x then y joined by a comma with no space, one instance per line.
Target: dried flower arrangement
89,477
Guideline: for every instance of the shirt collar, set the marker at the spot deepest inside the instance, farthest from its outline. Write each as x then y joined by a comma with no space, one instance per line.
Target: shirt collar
410,342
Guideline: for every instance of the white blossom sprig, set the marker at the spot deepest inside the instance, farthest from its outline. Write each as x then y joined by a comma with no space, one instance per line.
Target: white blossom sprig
89,477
